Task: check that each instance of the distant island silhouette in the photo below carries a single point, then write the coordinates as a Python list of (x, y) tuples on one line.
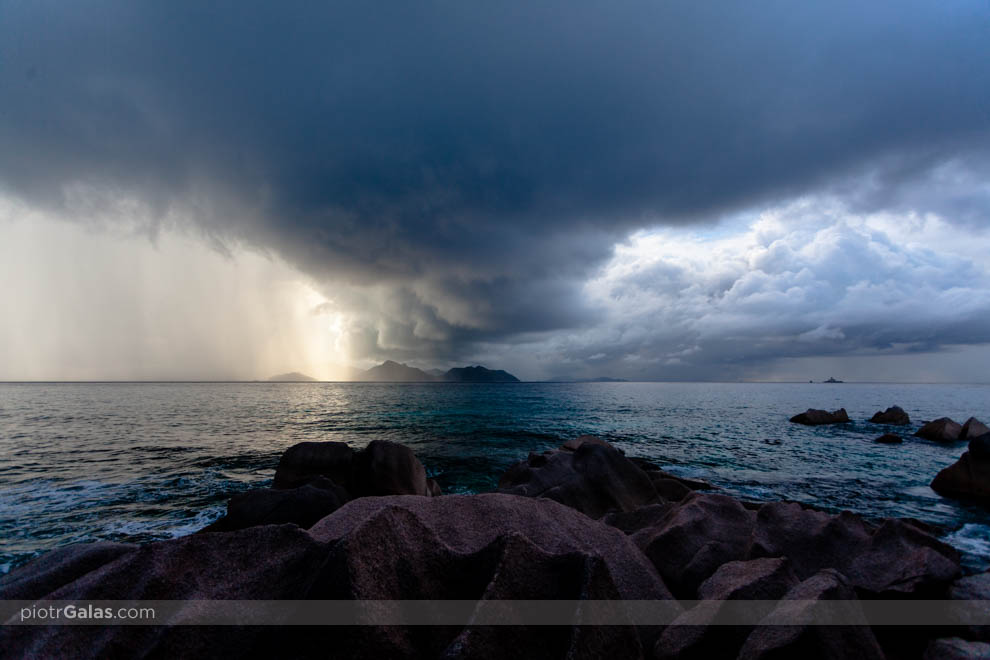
[(292, 377), (394, 372)]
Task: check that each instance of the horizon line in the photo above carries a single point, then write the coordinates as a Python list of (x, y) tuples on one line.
[(417, 382)]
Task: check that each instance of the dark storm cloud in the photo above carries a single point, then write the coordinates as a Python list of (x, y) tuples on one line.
[(479, 157)]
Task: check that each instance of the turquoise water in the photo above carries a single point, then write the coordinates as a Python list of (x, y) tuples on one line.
[(142, 461)]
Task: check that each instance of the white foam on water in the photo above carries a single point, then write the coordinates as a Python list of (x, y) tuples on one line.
[(973, 542), (198, 522)]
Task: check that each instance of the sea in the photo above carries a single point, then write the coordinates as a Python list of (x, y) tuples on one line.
[(137, 462)]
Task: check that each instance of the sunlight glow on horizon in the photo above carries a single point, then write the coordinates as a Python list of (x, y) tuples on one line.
[(107, 301)]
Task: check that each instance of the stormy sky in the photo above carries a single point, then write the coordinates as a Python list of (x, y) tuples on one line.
[(649, 190)]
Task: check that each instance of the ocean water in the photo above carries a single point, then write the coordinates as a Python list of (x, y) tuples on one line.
[(143, 461)]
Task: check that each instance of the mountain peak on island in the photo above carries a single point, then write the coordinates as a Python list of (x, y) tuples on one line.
[(479, 374), (292, 377), (394, 372)]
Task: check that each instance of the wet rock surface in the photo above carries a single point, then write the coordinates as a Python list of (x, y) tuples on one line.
[(942, 429), (973, 587), (576, 523), (810, 640), (302, 506), (592, 476), (895, 416), (813, 417), (969, 477), (694, 634), (973, 428), (389, 548), (314, 479)]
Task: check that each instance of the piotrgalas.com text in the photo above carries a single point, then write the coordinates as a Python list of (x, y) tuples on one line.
[(84, 612)]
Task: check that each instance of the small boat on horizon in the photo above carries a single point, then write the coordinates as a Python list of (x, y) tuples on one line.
[(832, 380)]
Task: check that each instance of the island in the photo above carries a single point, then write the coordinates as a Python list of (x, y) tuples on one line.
[(394, 372), (292, 377)]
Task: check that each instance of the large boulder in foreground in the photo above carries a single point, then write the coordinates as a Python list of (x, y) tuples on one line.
[(969, 477), (973, 587), (591, 476), (813, 417), (384, 548), (693, 635), (689, 540), (942, 429), (811, 641), (895, 416), (895, 559), (59, 567)]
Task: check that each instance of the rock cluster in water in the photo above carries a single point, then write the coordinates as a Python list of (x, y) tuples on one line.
[(579, 522), (967, 478)]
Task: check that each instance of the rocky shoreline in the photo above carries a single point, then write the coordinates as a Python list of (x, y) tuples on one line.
[(579, 522)]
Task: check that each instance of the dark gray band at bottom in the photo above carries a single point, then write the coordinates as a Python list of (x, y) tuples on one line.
[(496, 612)]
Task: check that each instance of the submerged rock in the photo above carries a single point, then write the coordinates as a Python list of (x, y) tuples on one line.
[(942, 429), (813, 417), (378, 548), (889, 439), (595, 478), (894, 416)]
